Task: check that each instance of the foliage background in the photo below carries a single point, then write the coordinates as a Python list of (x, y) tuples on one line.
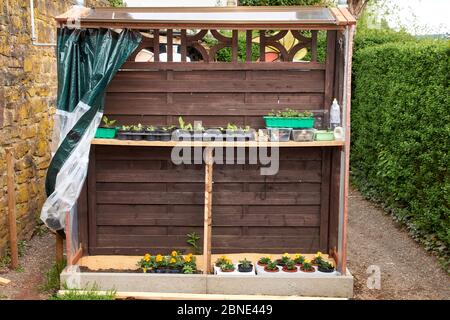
[(401, 131)]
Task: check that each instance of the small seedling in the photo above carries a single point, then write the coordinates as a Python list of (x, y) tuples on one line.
[(108, 123), (192, 240)]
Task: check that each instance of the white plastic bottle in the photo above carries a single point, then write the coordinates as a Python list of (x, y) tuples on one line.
[(335, 115)]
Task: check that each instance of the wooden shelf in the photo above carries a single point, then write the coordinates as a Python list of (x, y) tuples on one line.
[(246, 144)]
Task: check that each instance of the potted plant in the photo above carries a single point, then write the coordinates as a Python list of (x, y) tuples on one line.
[(150, 133), (123, 132), (107, 129), (318, 259), (236, 133), (220, 261), (285, 258), (290, 266), (271, 267), (161, 263), (289, 118), (227, 267), (307, 266), (184, 131), (245, 266), (176, 262), (264, 261), (326, 267), (136, 132), (145, 263), (165, 133), (299, 259)]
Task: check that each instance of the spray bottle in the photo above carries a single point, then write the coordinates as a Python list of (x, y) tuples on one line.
[(335, 115)]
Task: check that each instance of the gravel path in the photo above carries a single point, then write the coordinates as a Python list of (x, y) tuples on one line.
[(407, 270), (37, 260)]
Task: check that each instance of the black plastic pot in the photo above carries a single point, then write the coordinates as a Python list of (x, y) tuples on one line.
[(241, 268), (136, 136), (122, 135), (150, 135), (183, 135), (326, 270)]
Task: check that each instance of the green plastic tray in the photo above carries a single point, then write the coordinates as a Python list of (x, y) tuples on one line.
[(105, 133), (295, 123)]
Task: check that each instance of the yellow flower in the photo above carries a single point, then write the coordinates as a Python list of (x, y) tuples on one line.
[(318, 254), (307, 261), (189, 255), (159, 258), (188, 258), (145, 270), (174, 253), (147, 257), (286, 255), (224, 258), (297, 255), (173, 260)]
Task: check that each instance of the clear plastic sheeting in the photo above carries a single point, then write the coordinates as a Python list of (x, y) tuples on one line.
[(69, 180)]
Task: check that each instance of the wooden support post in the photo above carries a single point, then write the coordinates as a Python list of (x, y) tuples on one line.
[(12, 208), (59, 248), (68, 240), (208, 211)]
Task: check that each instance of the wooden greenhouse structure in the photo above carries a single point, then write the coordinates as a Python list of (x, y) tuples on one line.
[(136, 200)]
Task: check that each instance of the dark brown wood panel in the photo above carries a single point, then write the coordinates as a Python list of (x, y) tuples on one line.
[(143, 202), (139, 201)]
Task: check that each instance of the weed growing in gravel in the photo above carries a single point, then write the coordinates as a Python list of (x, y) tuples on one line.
[(52, 283), (85, 294)]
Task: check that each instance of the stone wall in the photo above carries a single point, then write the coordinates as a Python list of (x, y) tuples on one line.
[(28, 84)]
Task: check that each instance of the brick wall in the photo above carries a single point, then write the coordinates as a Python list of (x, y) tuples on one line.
[(27, 101)]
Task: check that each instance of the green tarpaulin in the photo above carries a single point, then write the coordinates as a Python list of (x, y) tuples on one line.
[(87, 61)]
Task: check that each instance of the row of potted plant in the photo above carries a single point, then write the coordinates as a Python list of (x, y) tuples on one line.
[(297, 263), (223, 265), (173, 263)]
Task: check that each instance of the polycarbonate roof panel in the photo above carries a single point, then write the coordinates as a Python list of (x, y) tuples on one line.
[(305, 15)]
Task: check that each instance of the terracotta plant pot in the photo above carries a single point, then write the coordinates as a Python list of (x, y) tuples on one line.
[(226, 270), (262, 264), (285, 269), (272, 271), (308, 271)]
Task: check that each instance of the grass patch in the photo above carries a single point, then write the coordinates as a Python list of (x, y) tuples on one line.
[(52, 283), (85, 294)]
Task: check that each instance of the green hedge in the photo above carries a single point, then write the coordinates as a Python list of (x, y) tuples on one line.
[(401, 135)]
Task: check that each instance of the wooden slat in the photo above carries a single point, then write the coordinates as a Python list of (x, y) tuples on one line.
[(314, 46), (262, 45), (248, 45), (340, 18), (207, 223), (351, 20), (234, 46), (195, 219), (223, 198), (156, 45), (309, 83), (92, 198), (162, 66), (324, 199), (183, 45), (252, 144), (169, 45), (329, 73)]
